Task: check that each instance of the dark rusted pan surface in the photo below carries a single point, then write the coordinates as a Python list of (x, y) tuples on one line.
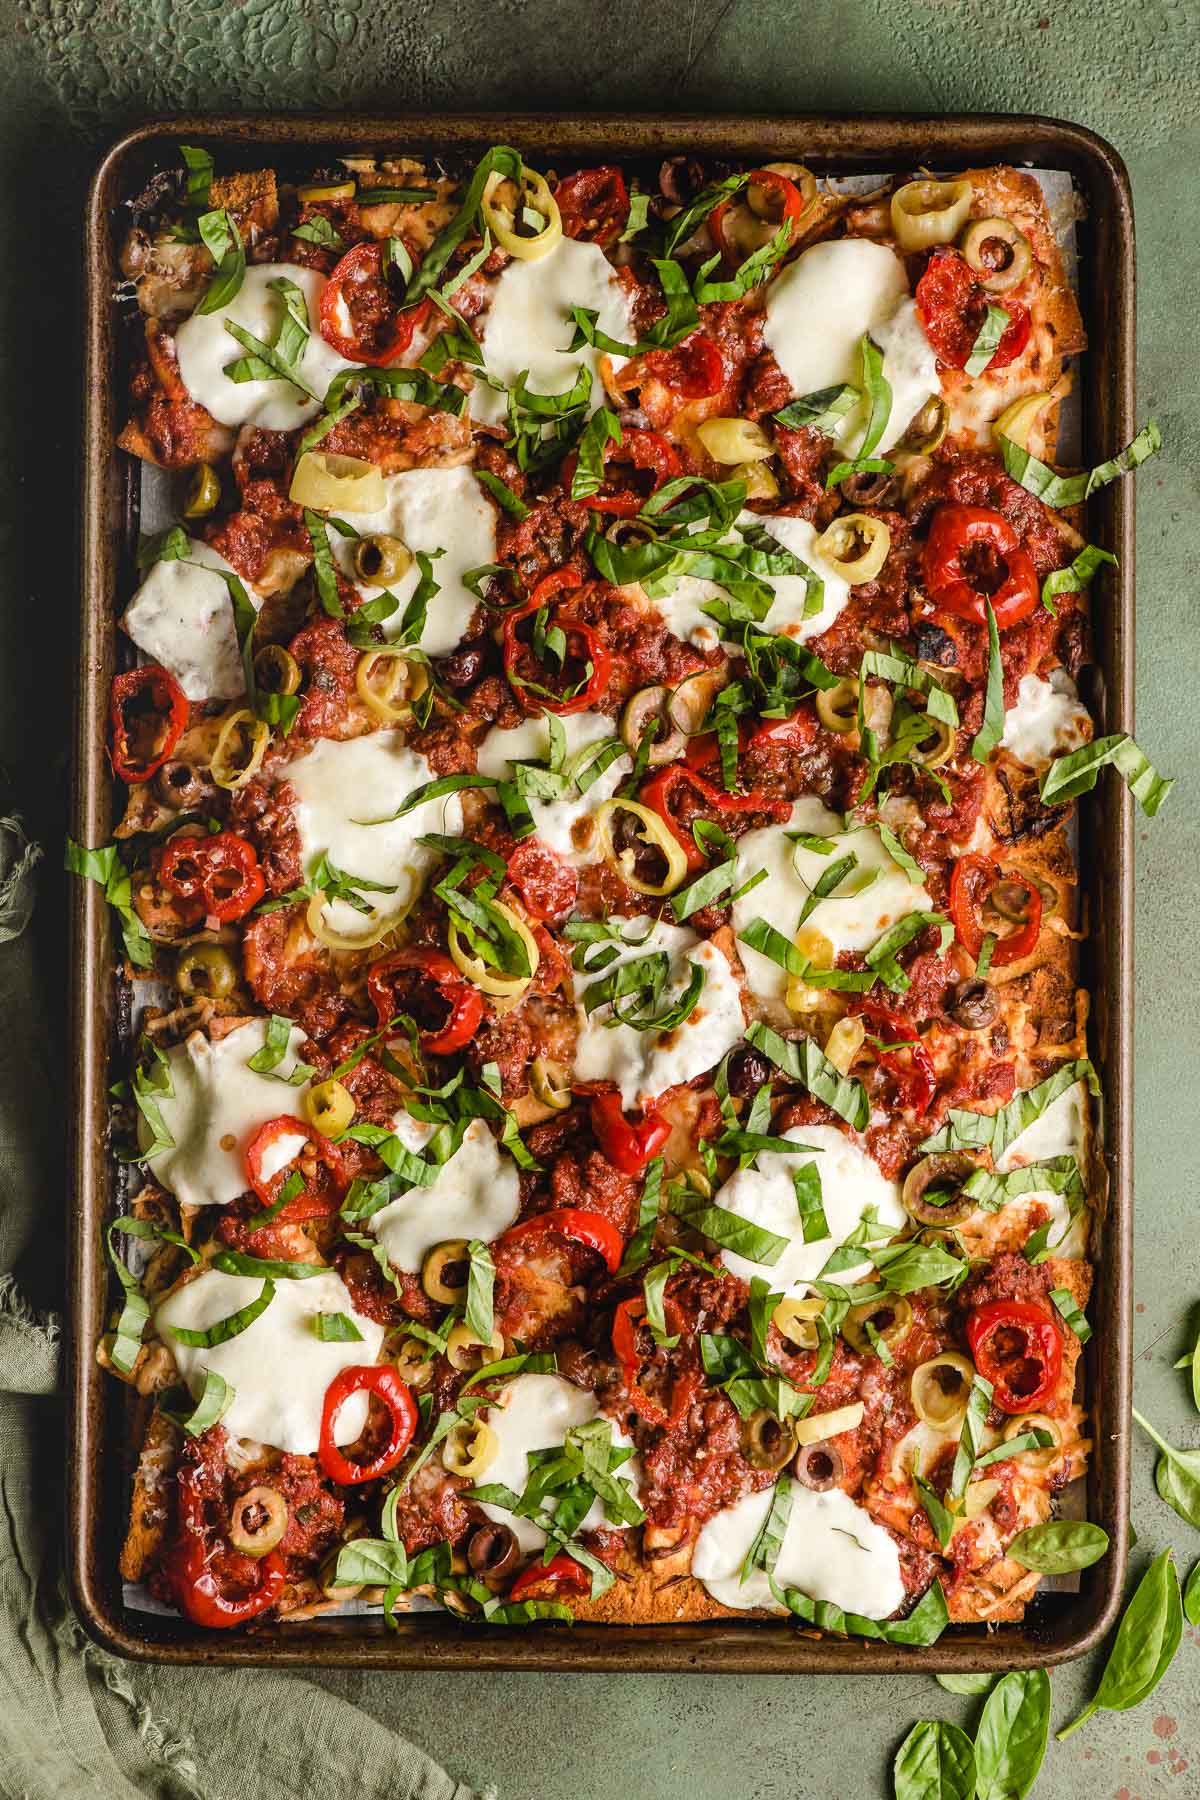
[(1061, 1626)]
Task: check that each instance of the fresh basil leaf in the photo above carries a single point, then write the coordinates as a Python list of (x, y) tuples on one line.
[(881, 957), (987, 340), (222, 1330), (1076, 773), (503, 495), (319, 230), (654, 1284), (135, 1309), (432, 790), (749, 274), (481, 1282), (336, 1328), (1191, 1597), (105, 868), (935, 1762), (1060, 1546), (639, 212), (323, 426), (940, 1517), (992, 729), (806, 1180), (372, 1562), (965, 1684), (1070, 1313), (979, 1404), (640, 1246), (728, 1229), (685, 222), (216, 1397), (1069, 490), (1147, 1638), (1177, 1475), (1077, 576), (274, 1049), (901, 671), (264, 362), (236, 1262), (199, 166), (805, 1063), (899, 854), (1037, 1439), (768, 1540), (1058, 1176), (822, 411), (602, 428), (1010, 1742), (499, 158), (396, 384), (996, 1131), (223, 242), (923, 1626)]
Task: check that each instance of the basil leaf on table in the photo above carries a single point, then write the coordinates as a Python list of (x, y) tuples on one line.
[(936, 1761), (965, 1684), (1191, 1597), (1011, 1740), (1177, 1475), (1147, 1638), (1060, 1546), (1192, 1361)]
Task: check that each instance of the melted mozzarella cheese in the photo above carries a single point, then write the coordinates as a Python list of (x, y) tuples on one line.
[(819, 307), (1048, 718), (920, 1448), (851, 1183), (528, 325), (535, 1412), (646, 1063), (832, 1550), (566, 826), (1062, 1130), (216, 1106), (430, 510), (682, 609), (476, 1195), (182, 617), (909, 368), (853, 922), (205, 349), (340, 784), (278, 1367)]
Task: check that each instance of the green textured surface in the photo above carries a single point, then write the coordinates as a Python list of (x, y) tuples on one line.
[(73, 72)]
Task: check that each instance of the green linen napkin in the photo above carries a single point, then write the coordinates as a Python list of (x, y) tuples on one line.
[(75, 1722)]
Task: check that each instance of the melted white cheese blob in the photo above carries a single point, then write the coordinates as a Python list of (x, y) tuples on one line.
[(682, 610), (832, 1550), (566, 826), (430, 509), (851, 1183), (1062, 1130), (217, 1105), (909, 368), (819, 307), (339, 784), (535, 1412), (646, 1063), (1048, 718), (476, 1195), (205, 349), (529, 325), (854, 922), (182, 617), (278, 1367)]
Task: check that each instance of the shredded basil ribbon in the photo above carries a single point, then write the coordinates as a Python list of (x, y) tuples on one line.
[(1068, 490), (1077, 773), (805, 1063), (996, 1131), (230, 1327), (992, 729), (216, 1397)]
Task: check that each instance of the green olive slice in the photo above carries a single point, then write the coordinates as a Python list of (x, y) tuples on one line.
[(380, 559), (208, 970), (941, 1174), (890, 1316), (1000, 255), (767, 1443)]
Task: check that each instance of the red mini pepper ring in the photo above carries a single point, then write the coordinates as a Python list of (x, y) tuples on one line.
[(324, 1181), (381, 1380), (695, 369), (222, 870), (625, 1347), (952, 305), (1018, 1348), (198, 1592), (917, 1081), (159, 721), (547, 885), (626, 1146), (586, 647), (562, 1571), (464, 1000), (362, 268), (665, 783), (971, 881), (793, 208), (578, 1224), (644, 450), (953, 533), (594, 204)]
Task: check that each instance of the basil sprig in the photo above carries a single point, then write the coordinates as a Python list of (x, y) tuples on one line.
[(1077, 773), (1147, 1639)]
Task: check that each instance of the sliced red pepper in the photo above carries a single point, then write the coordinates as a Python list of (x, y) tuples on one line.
[(668, 782), (358, 315), (792, 208), (198, 1592), (222, 870), (381, 1380), (594, 204), (625, 1346), (694, 369), (580, 1226), (962, 535), (971, 881), (149, 712), (916, 1079), (583, 643), (1018, 1348), (463, 999), (797, 730), (626, 1146), (952, 306), (644, 450), (320, 1165), (562, 1571)]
